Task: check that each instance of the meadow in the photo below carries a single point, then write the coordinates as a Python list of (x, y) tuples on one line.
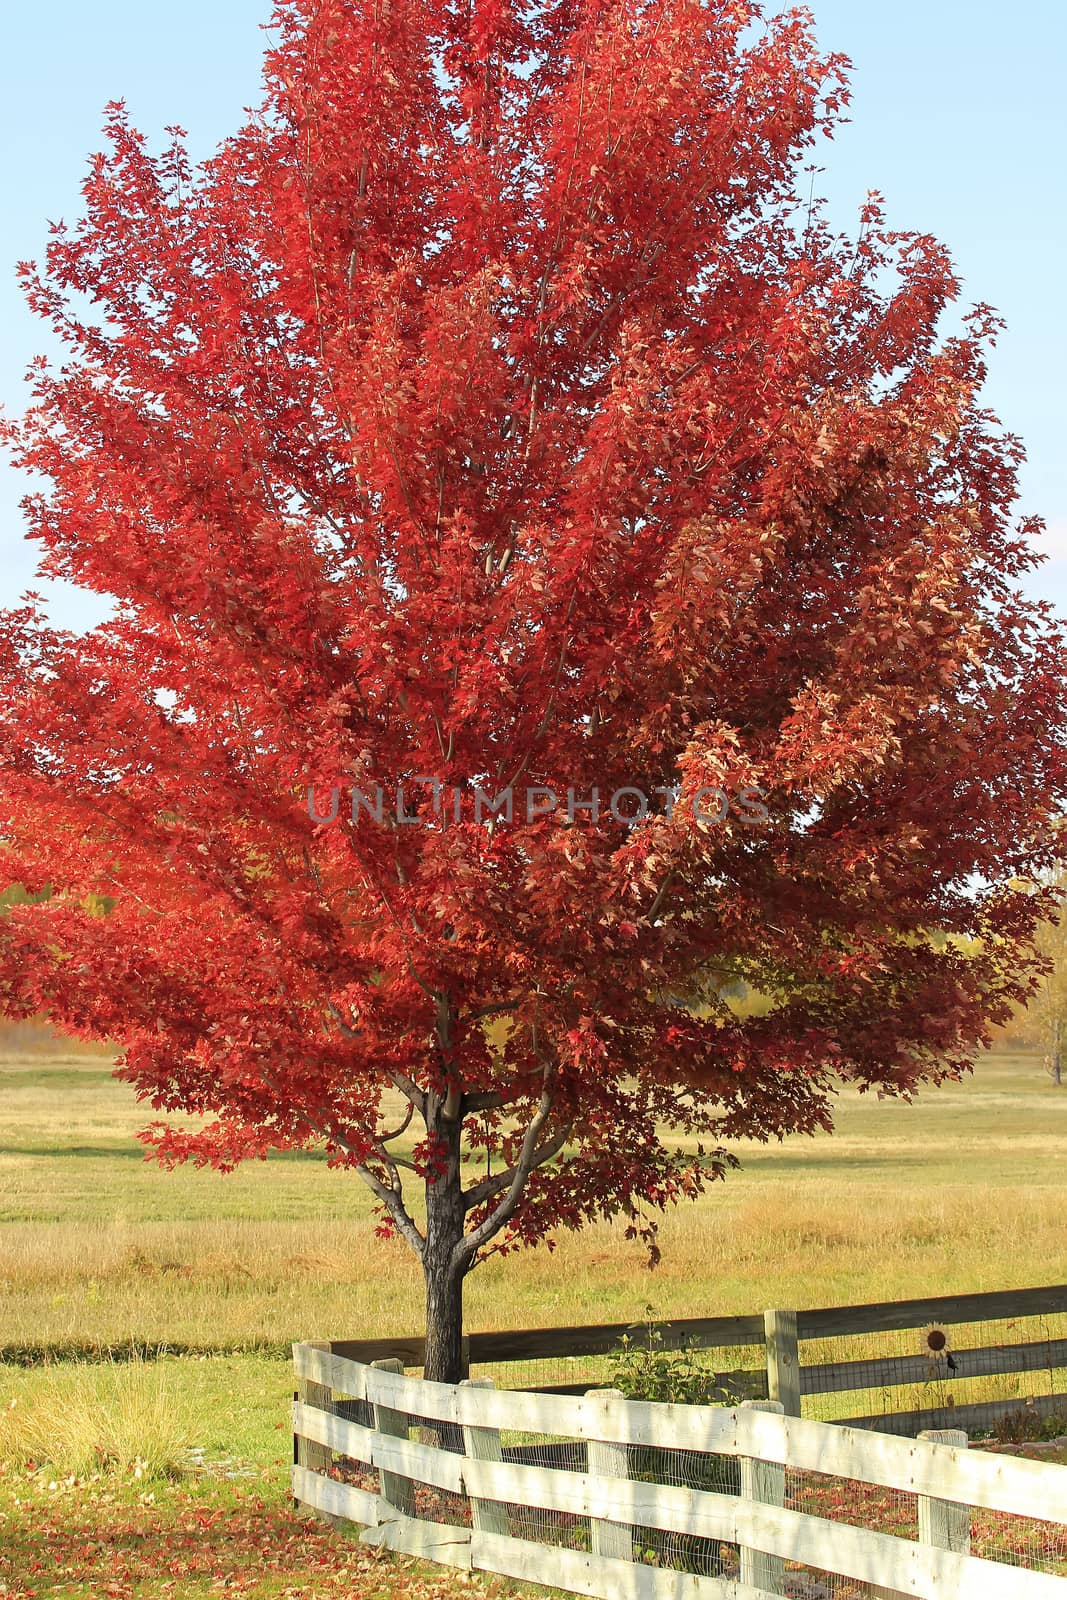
[(962, 1190), (102, 1253)]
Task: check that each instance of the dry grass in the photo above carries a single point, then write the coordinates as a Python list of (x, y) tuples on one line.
[(232, 1284), (78, 1419), (964, 1190)]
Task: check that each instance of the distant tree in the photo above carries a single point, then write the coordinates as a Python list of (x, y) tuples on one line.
[(496, 408), (1051, 1006)]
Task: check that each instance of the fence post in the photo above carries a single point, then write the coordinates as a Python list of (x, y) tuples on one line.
[(943, 1523), (396, 1491), (764, 1483), (783, 1360), (306, 1453), (483, 1444), (609, 1461)]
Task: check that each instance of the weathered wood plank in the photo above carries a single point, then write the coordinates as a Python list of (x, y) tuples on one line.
[(975, 1418), (859, 1553), (993, 1483), (943, 1523), (672, 1508), (396, 1490), (596, 1415), (597, 1576), (517, 1410), (888, 1371), (335, 1499), (432, 1541), (338, 1433), (547, 1344), (387, 1385), (612, 1538), (1001, 1305), (535, 1344), (409, 1350), (783, 1360), (393, 1453), (317, 1363), (1012, 1485), (764, 1483), (311, 1454), (777, 1532), (748, 1383), (892, 1563)]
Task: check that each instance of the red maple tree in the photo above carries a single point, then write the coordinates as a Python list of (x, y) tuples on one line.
[(496, 410)]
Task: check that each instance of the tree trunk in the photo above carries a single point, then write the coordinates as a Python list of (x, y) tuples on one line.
[(444, 1361), (444, 1280)]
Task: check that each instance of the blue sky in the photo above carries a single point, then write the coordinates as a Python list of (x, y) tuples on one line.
[(958, 118)]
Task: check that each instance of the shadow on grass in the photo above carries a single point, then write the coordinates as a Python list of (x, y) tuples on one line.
[(832, 1162), (47, 1078), (131, 1152), (99, 1152)]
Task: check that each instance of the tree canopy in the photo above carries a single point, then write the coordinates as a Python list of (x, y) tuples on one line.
[(498, 409)]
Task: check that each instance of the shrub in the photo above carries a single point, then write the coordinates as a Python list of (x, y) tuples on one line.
[(646, 1370), (1027, 1425)]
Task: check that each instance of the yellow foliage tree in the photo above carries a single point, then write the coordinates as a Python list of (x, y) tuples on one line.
[(1052, 1000)]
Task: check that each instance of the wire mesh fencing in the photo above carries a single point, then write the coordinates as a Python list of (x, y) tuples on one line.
[(1026, 1543), (737, 1367), (942, 1375), (664, 1549)]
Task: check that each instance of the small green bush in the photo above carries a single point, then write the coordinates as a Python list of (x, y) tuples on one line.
[(645, 1370)]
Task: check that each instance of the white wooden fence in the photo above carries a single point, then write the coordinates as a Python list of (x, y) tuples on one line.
[(459, 1457)]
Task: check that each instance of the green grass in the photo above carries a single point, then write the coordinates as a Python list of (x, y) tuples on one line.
[(167, 1413), (217, 1519)]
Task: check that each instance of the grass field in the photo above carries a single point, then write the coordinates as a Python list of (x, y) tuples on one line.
[(965, 1190)]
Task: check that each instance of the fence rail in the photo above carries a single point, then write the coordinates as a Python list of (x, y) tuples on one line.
[(449, 1473), (1009, 1333)]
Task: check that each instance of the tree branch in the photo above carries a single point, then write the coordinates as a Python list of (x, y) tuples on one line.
[(400, 1081), (409, 1089), (485, 1100), (490, 1187), (345, 1027), (393, 1201), (664, 889), (391, 1195), (493, 1010), (531, 1156), (387, 1138)]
